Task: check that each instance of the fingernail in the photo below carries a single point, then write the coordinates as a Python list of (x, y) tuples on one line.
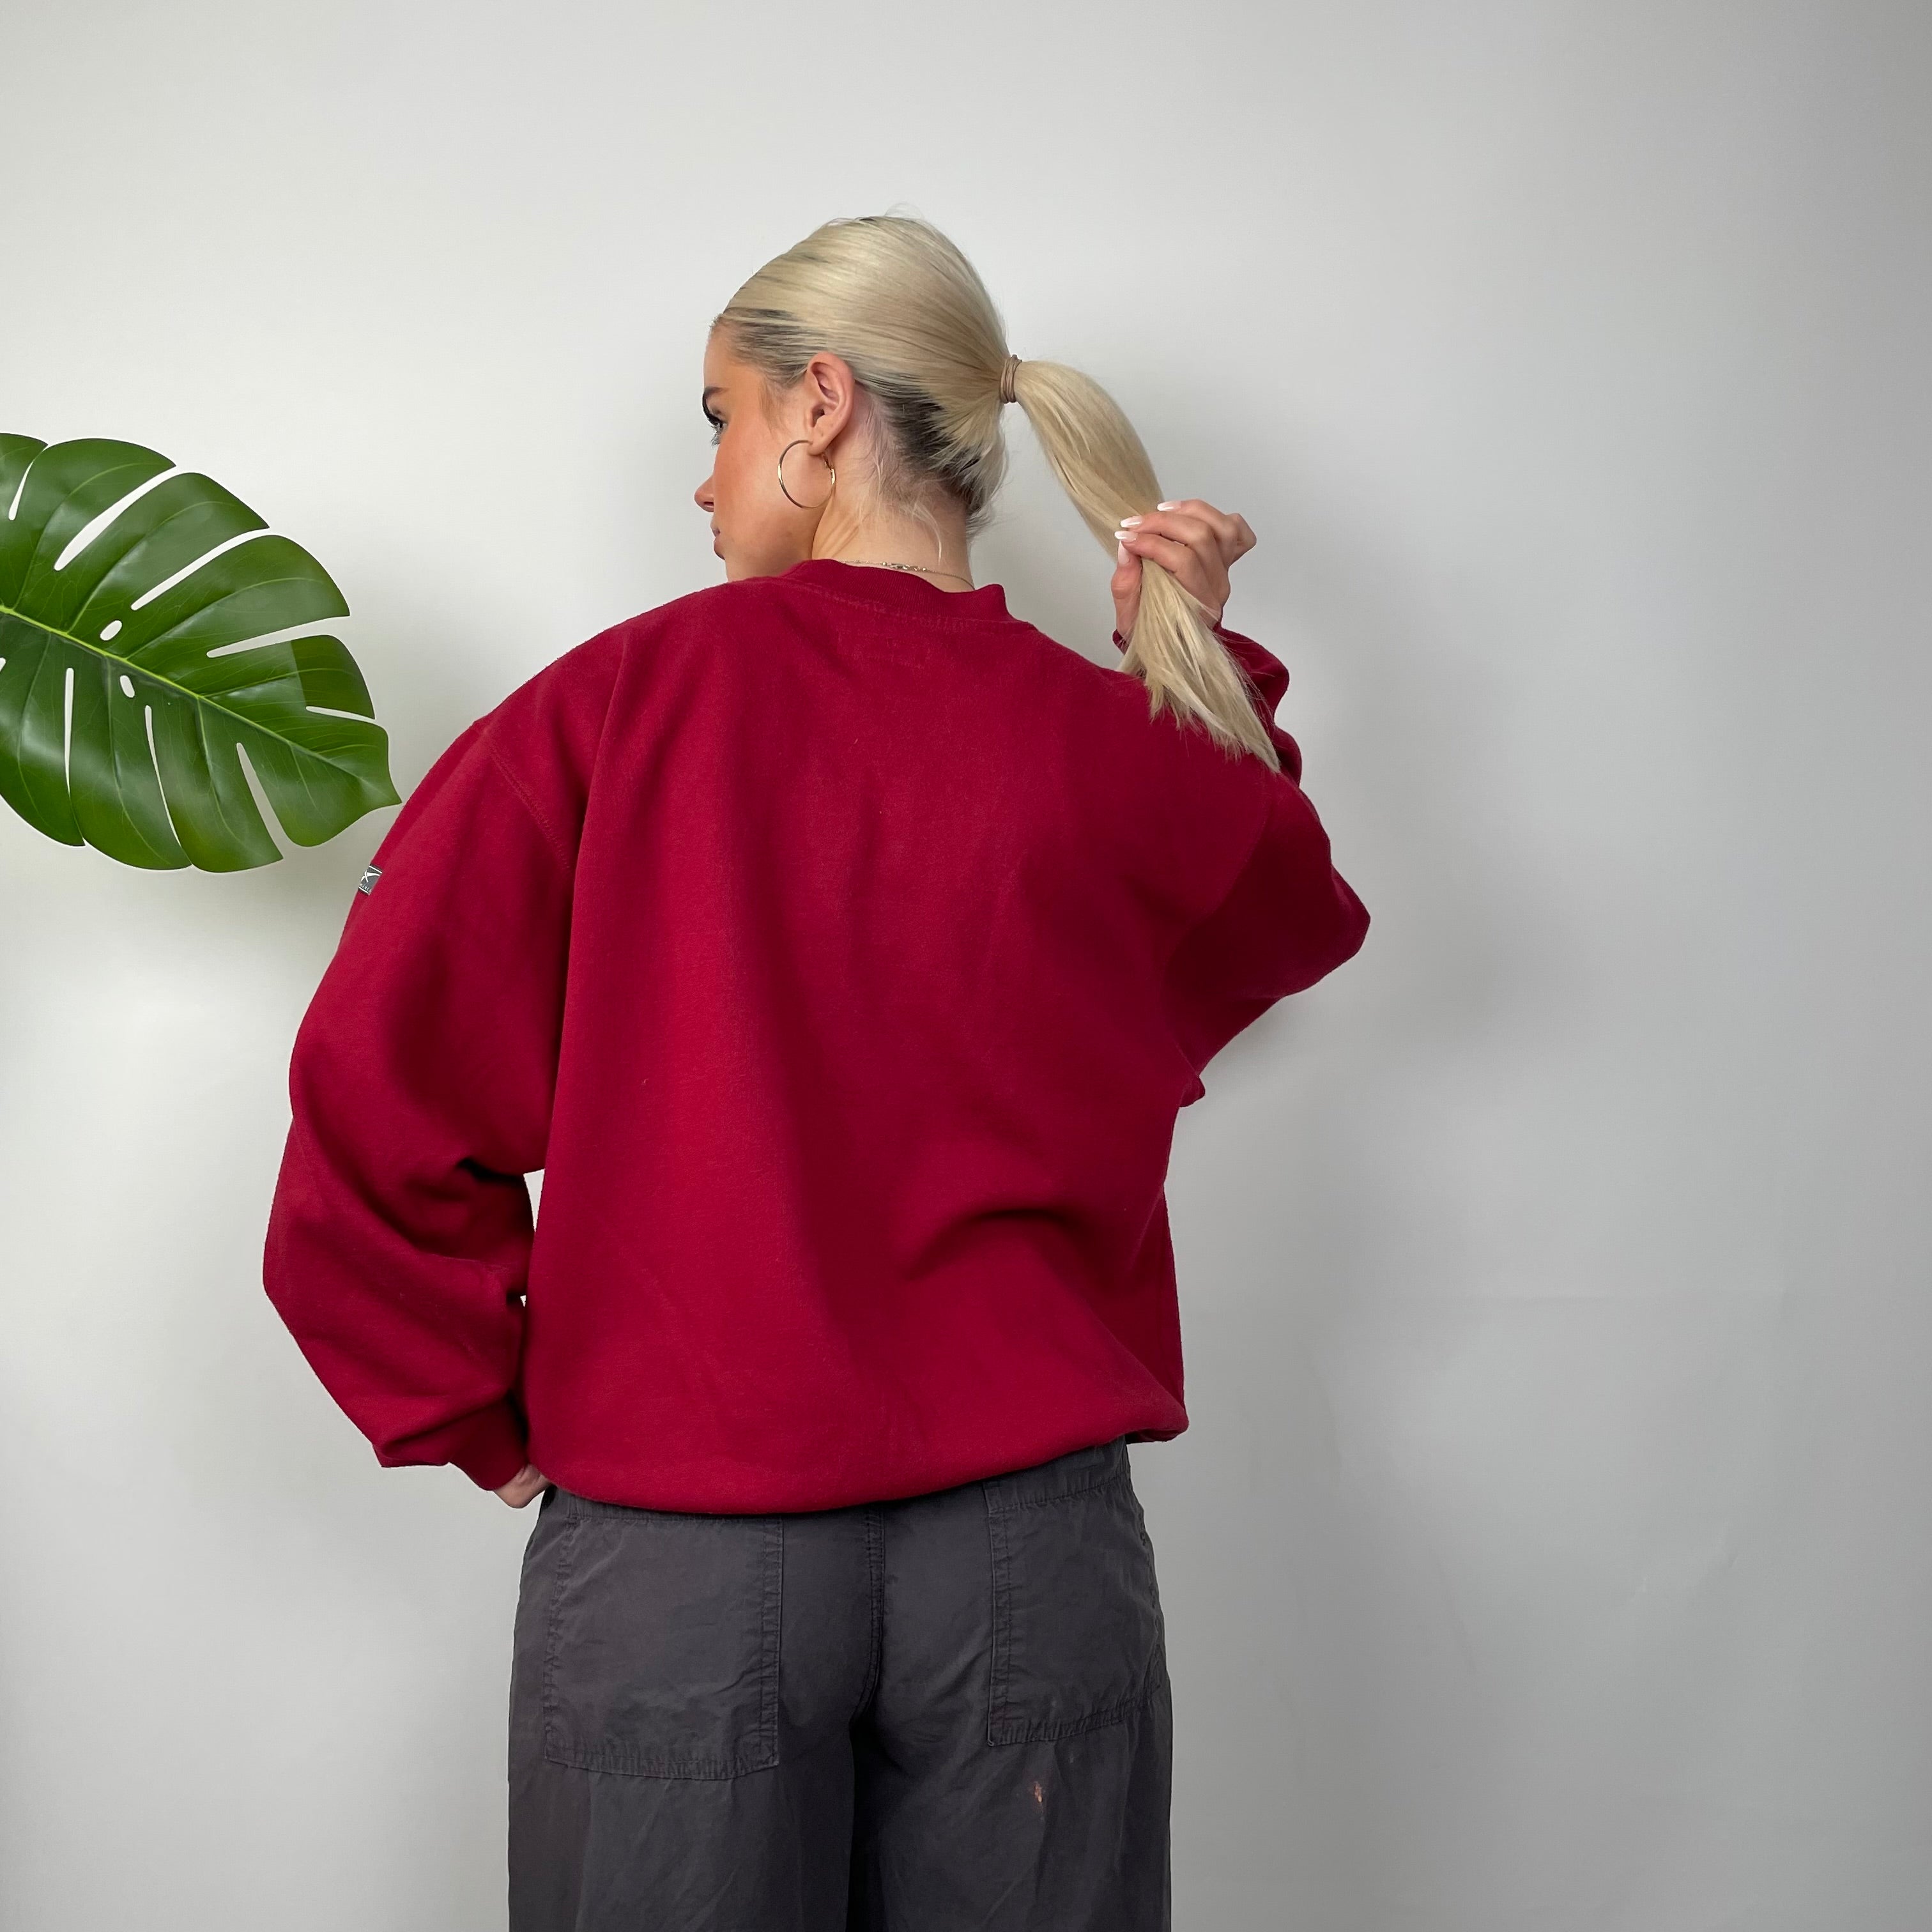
[(1128, 523), (1167, 506), (1120, 551)]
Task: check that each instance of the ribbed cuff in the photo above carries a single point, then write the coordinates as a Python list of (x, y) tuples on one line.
[(487, 1446)]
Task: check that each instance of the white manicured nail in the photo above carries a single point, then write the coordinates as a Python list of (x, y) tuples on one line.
[(1120, 551), (1167, 506), (1128, 523)]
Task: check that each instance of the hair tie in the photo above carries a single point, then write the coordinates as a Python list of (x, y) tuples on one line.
[(1006, 379)]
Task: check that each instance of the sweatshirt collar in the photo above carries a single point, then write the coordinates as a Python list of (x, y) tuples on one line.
[(903, 591)]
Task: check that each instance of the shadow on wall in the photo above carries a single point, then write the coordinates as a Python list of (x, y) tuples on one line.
[(1288, 1598)]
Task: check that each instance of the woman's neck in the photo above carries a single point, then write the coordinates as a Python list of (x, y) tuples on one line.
[(898, 542)]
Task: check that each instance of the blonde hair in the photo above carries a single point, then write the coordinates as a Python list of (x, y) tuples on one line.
[(912, 319)]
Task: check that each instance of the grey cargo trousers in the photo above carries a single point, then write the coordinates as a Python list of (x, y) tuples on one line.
[(943, 1711)]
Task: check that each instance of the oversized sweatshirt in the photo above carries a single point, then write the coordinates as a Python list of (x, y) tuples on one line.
[(841, 949)]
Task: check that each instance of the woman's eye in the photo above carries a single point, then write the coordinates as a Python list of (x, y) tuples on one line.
[(716, 434)]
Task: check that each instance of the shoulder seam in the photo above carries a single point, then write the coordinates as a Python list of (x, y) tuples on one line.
[(516, 785)]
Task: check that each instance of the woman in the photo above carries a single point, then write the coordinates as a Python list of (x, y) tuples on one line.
[(842, 949)]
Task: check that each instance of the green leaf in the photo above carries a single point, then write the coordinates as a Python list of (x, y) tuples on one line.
[(167, 682)]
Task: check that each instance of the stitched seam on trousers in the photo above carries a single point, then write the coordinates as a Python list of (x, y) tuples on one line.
[(1002, 1620), (566, 1548), (1074, 1727), (1102, 1482), (874, 1520), (774, 1615)]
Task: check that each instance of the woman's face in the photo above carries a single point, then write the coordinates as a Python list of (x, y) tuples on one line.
[(754, 529)]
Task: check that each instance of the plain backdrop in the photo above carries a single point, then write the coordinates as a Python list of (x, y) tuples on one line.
[(1548, 1551)]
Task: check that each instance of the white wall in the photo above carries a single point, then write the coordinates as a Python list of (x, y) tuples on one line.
[(1549, 1548)]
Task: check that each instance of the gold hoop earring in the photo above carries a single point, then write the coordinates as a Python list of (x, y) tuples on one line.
[(825, 460)]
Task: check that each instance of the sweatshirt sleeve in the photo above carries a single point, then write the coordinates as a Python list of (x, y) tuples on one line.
[(1288, 919), (420, 1087)]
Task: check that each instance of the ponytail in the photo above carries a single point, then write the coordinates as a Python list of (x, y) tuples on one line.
[(1103, 466)]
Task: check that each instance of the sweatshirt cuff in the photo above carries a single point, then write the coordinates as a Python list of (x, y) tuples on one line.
[(487, 1446)]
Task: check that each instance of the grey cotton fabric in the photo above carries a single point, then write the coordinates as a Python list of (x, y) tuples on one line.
[(943, 1711)]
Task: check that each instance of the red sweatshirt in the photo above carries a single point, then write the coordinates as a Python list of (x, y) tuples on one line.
[(842, 949)]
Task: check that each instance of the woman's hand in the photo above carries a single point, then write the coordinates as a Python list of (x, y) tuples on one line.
[(528, 1481), (1191, 539)]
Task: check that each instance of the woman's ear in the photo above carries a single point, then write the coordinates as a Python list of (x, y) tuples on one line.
[(833, 394)]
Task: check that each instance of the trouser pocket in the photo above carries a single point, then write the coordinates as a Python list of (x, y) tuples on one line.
[(661, 1656), (1078, 1638)]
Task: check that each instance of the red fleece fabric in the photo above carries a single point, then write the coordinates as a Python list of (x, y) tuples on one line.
[(842, 949)]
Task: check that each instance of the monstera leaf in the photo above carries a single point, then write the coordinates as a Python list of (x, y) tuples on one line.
[(147, 604)]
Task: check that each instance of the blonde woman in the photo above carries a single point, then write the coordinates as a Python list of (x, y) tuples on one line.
[(842, 949)]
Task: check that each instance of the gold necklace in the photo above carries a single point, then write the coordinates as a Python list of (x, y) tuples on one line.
[(924, 570)]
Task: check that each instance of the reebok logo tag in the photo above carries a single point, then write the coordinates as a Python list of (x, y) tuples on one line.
[(371, 874)]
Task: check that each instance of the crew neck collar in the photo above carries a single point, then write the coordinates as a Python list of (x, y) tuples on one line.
[(901, 590)]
